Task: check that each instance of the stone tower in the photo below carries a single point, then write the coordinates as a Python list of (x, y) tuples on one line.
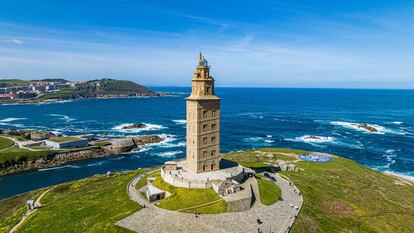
[(203, 122)]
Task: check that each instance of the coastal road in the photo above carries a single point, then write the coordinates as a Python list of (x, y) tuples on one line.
[(278, 217)]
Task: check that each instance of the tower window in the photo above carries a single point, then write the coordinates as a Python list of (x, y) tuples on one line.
[(205, 113), (213, 113), (213, 127), (213, 139), (205, 127), (213, 152), (205, 140), (208, 90), (204, 154)]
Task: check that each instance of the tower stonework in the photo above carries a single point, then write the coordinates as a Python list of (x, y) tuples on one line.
[(203, 122)]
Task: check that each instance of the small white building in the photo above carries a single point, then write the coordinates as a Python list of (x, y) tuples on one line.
[(154, 194), (71, 142)]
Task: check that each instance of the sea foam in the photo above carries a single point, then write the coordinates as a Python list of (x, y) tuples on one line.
[(11, 119), (55, 168), (380, 129), (259, 141), (179, 122), (169, 154), (309, 139), (148, 127), (63, 117)]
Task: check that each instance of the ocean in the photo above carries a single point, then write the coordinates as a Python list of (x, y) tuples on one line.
[(250, 118)]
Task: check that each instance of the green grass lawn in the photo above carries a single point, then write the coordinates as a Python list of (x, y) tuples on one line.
[(185, 198), (16, 155), (12, 209), (39, 147), (65, 139), (258, 161), (17, 137), (93, 204), (339, 196), (344, 196), (5, 143), (269, 192), (102, 143)]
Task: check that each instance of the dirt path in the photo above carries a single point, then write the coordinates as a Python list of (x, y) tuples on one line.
[(30, 212)]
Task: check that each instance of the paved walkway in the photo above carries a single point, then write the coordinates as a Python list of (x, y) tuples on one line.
[(275, 218), (14, 140), (29, 212)]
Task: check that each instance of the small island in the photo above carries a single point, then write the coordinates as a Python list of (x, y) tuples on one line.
[(135, 126), (51, 90), (366, 127)]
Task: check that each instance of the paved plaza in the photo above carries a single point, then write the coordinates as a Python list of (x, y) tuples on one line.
[(275, 218)]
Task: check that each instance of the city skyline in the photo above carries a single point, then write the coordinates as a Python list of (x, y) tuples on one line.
[(264, 44)]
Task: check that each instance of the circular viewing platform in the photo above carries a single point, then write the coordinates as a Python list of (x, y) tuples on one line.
[(183, 177)]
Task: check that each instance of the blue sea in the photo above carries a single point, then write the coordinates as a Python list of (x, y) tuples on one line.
[(251, 118)]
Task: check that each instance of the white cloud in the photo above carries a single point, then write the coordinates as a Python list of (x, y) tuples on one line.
[(13, 41)]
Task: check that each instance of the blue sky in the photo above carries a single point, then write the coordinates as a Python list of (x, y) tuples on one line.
[(342, 44)]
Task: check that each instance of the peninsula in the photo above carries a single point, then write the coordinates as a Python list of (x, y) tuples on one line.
[(338, 195), (23, 150), (49, 90)]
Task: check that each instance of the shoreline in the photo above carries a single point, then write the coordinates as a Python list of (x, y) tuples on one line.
[(58, 158), (49, 101), (55, 161), (403, 180)]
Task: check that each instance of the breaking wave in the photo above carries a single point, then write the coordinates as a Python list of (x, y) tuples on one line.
[(168, 141), (148, 127), (314, 139), (180, 122), (55, 168), (10, 119), (169, 154), (355, 126), (63, 117), (252, 114), (259, 141)]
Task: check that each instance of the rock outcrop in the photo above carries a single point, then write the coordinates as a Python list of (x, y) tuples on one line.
[(147, 139), (313, 137), (367, 127), (135, 126), (115, 146)]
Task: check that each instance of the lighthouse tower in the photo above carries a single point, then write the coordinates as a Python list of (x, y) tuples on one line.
[(203, 122)]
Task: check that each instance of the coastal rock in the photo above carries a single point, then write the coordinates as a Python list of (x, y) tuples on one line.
[(146, 139), (367, 127), (116, 146), (120, 145), (135, 126), (313, 137), (41, 135)]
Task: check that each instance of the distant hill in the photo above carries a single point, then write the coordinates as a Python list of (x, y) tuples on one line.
[(114, 87), (13, 82), (101, 88), (54, 80)]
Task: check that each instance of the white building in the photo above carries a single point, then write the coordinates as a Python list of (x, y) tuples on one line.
[(81, 142)]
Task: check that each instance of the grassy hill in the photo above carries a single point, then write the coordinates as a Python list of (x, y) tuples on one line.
[(339, 196), (100, 88), (13, 82)]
